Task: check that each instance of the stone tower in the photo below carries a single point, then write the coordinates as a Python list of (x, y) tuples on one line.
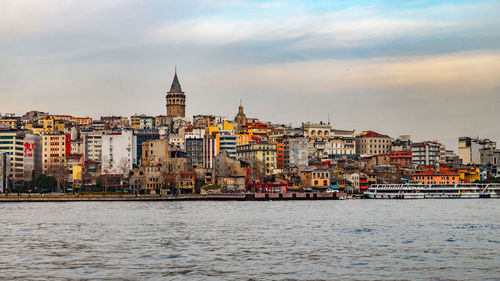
[(176, 100), (241, 118)]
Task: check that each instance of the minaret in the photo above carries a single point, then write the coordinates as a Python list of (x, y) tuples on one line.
[(176, 100)]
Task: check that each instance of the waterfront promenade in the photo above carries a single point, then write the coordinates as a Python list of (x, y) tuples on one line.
[(180, 197)]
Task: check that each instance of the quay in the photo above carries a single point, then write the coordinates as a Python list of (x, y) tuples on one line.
[(180, 197)]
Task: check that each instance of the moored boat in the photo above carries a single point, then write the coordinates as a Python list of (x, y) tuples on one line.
[(421, 191)]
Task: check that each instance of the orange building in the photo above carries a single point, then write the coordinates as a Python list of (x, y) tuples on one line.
[(280, 153), (243, 139), (442, 176), (316, 178)]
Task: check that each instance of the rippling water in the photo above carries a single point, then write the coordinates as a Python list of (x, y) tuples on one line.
[(303, 240)]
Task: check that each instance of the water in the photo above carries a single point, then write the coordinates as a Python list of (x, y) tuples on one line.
[(300, 240)]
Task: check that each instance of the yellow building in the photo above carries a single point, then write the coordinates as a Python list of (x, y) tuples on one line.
[(62, 118), (81, 120), (226, 126), (210, 130), (142, 122), (77, 175), (51, 124), (54, 150), (12, 122), (256, 128), (469, 175), (259, 154)]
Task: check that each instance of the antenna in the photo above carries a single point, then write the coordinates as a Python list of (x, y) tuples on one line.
[(328, 118)]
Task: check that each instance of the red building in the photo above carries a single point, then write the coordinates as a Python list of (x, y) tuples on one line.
[(400, 158), (363, 183)]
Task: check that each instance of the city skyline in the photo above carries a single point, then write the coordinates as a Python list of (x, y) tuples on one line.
[(410, 68)]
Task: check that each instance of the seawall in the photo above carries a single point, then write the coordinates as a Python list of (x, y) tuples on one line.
[(181, 197)]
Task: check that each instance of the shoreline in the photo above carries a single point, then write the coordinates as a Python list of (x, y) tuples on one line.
[(180, 197)]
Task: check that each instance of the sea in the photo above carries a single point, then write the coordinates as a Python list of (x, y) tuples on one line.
[(429, 239)]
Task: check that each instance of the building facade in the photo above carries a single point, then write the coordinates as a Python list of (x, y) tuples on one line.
[(32, 157), (142, 122), (437, 177), (12, 142), (194, 151), (469, 149), (369, 143), (426, 153), (92, 147), (227, 142), (295, 151), (55, 148), (119, 152), (262, 155)]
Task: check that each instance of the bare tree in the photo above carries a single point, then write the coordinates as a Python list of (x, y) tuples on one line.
[(169, 179), (106, 165), (106, 169), (257, 170), (60, 172), (124, 167), (86, 177)]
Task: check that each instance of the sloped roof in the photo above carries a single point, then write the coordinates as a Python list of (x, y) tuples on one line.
[(433, 173), (176, 86)]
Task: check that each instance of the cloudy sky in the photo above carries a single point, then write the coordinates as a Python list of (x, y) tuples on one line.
[(430, 69)]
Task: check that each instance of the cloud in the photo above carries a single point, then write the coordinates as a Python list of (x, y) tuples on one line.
[(364, 62)]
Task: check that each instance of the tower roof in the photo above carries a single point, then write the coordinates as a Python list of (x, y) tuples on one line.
[(176, 86)]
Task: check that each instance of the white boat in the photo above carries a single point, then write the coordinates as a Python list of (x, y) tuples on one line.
[(421, 191)]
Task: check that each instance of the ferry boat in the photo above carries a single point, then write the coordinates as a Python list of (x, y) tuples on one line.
[(421, 191)]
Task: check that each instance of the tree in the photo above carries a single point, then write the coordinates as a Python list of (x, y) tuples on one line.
[(169, 179), (60, 173), (88, 178), (106, 169), (124, 167), (44, 183)]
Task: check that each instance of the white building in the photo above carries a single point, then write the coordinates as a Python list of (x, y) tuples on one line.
[(177, 140), (119, 152), (341, 142), (227, 142), (355, 179), (372, 143), (92, 146), (469, 149), (209, 151), (426, 153)]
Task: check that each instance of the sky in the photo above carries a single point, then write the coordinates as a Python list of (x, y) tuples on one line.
[(430, 69)]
